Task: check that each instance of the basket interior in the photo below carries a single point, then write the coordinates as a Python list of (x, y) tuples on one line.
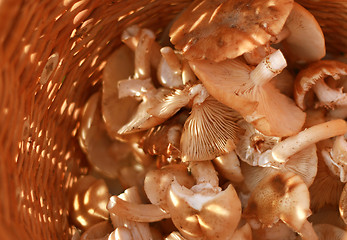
[(52, 56)]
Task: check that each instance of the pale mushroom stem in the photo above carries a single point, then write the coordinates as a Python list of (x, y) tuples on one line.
[(288, 147), (268, 68), (130, 36), (204, 173), (285, 32), (136, 212), (172, 60), (135, 88), (325, 94), (142, 54)]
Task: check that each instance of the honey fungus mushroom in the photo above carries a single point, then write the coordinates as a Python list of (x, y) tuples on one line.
[(217, 30), (204, 211), (248, 91), (324, 78), (282, 196)]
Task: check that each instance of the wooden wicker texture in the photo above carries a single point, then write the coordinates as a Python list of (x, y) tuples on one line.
[(51, 58)]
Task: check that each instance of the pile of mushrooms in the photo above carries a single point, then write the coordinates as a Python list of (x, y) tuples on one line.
[(234, 130)]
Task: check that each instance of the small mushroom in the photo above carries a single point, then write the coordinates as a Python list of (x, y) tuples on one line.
[(170, 69), (105, 155), (204, 211), (315, 77), (88, 199), (157, 182), (217, 30), (281, 196), (336, 158), (248, 91), (228, 166)]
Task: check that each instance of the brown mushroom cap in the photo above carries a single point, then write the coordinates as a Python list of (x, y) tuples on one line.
[(315, 72), (280, 196), (305, 42), (221, 29)]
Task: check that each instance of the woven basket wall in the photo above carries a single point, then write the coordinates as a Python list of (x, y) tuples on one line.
[(51, 58)]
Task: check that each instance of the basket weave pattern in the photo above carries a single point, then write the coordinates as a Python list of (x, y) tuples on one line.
[(51, 58)]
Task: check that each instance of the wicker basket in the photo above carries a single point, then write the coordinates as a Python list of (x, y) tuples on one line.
[(51, 58)]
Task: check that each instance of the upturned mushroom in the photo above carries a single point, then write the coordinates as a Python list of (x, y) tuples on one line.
[(323, 77), (88, 199), (248, 91), (217, 30), (204, 211), (282, 196), (336, 158)]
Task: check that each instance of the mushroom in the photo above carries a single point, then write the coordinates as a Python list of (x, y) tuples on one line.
[(157, 182), (138, 230), (243, 233), (175, 236), (282, 196), (277, 231), (336, 158), (119, 66), (88, 199), (305, 40), (218, 30), (303, 164), (107, 156), (327, 215), (99, 231), (228, 166), (315, 77), (204, 211), (248, 91), (164, 140)]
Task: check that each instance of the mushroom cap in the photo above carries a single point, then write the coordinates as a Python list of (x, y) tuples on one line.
[(228, 166), (157, 182), (204, 213), (208, 129), (280, 196), (119, 66), (221, 29), (306, 40), (88, 199), (103, 153), (315, 72)]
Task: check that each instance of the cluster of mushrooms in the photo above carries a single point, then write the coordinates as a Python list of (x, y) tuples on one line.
[(234, 128)]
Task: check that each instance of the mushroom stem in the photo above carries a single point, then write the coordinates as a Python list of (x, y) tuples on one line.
[(135, 88), (142, 54), (121, 233), (172, 60), (136, 212), (268, 68), (288, 147), (187, 73), (285, 32), (130, 36)]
